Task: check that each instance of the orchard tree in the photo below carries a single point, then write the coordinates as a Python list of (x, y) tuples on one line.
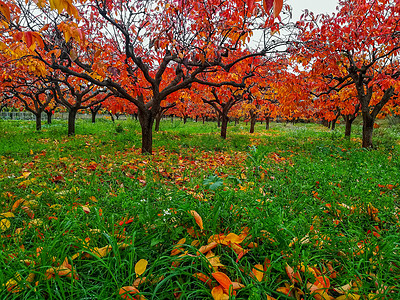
[(356, 48), (75, 95)]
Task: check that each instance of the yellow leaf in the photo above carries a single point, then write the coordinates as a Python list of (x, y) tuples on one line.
[(140, 267), (349, 297), (4, 224), (199, 220), (218, 293), (7, 215)]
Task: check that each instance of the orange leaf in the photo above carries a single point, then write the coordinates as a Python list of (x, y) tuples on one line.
[(5, 11), (257, 271), (322, 281), (293, 276), (203, 278), (140, 267), (125, 290), (176, 249), (278, 4), (17, 204), (210, 246), (197, 217), (28, 211), (218, 293), (222, 279)]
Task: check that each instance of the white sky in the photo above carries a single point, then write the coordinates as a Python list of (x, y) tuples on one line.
[(316, 6)]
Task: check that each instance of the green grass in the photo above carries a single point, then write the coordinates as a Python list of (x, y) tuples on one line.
[(305, 195)]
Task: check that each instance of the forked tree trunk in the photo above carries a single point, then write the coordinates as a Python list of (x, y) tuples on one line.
[(71, 121), (38, 117), (224, 125), (146, 120)]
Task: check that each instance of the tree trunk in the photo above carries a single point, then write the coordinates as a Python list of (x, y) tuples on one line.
[(158, 120), (224, 126), (94, 113), (204, 119), (112, 117), (71, 121), (368, 128), (267, 119), (146, 120), (49, 115), (349, 121), (38, 118), (184, 119), (252, 122)]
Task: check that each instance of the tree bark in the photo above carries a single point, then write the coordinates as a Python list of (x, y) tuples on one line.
[(184, 119), (368, 128), (38, 117), (158, 120), (349, 121), (267, 119), (71, 121), (224, 125), (49, 116), (252, 122), (146, 120)]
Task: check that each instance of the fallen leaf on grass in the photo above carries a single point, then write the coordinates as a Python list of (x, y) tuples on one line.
[(4, 224), (222, 279), (218, 293), (198, 219), (124, 291), (257, 272), (140, 267)]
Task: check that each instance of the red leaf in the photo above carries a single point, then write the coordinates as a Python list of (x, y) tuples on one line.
[(28, 38), (278, 4), (268, 5)]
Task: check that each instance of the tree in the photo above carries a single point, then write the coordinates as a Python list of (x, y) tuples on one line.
[(74, 95), (356, 48)]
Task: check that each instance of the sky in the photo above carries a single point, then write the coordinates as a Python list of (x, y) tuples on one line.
[(316, 6)]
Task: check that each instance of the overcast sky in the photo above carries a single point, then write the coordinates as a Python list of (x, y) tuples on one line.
[(316, 6)]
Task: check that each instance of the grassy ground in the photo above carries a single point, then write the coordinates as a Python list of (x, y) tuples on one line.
[(295, 212)]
